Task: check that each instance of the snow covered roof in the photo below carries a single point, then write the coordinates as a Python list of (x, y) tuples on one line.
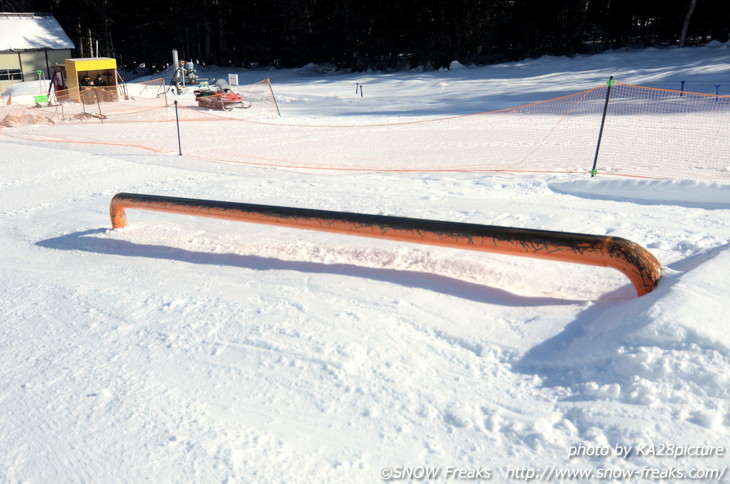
[(32, 31)]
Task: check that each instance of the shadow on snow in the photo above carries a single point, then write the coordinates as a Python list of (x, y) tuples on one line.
[(89, 242)]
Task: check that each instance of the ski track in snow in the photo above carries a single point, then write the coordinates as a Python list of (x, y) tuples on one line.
[(182, 349)]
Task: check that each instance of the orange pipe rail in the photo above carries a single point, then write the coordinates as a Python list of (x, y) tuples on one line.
[(638, 264)]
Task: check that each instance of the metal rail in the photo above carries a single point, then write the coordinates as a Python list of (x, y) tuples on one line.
[(638, 264)]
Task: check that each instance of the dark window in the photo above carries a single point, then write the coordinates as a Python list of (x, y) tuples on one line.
[(11, 75)]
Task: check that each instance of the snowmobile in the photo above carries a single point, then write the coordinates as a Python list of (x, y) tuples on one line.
[(222, 98)]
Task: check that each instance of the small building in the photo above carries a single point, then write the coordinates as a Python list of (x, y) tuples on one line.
[(84, 72), (30, 42), (91, 68)]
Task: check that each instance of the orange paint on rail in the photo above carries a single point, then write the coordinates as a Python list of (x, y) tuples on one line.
[(638, 264)]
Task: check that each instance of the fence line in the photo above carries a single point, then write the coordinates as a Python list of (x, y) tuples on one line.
[(650, 133)]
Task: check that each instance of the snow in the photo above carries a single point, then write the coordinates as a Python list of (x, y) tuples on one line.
[(31, 32), (184, 349)]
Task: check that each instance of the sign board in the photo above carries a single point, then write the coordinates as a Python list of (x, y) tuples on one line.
[(233, 79)]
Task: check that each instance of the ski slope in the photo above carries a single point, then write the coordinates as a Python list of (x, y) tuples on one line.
[(184, 349)]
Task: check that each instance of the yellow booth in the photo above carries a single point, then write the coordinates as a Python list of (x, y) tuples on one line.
[(85, 74)]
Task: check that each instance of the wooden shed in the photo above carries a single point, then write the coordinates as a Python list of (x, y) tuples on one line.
[(30, 42)]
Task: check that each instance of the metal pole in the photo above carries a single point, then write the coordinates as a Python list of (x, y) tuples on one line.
[(637, 263), (177, 122), (603, 122), (98, 103), (176, 72), (271, 90)]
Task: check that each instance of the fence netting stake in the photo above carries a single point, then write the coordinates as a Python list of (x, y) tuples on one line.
[(603, 122), (98, 103), (177, 122)]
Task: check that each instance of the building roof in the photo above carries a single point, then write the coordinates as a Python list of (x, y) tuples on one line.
[(32, 31)]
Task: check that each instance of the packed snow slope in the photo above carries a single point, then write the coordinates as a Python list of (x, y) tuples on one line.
[(185, 349)]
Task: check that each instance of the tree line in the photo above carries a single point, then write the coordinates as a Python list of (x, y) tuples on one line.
[(375, 34)]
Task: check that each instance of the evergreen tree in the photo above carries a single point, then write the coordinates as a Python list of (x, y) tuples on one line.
[(377, 34)]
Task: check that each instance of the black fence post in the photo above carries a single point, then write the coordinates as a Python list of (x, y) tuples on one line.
[(98, 103), (603, 122), (177, 122)]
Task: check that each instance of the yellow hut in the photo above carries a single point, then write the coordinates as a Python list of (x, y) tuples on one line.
[(82, 73)]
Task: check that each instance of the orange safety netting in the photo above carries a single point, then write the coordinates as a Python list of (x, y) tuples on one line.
[(648, 132), (671, 134)]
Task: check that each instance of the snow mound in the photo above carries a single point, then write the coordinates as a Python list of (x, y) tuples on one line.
[(688, 193), (20, 118), (671, 346)]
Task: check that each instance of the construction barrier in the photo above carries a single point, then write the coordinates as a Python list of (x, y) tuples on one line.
[(638, 264)]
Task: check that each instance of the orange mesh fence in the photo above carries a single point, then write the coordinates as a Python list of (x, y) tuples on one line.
[(260, 99), (87, 103), (102, 102), (648, 133), (668, 134), (154, 89)]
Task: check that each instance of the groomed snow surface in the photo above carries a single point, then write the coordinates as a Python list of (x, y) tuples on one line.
[(185, 349)]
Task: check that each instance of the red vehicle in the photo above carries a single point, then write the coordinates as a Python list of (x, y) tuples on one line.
[(225, 100)]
